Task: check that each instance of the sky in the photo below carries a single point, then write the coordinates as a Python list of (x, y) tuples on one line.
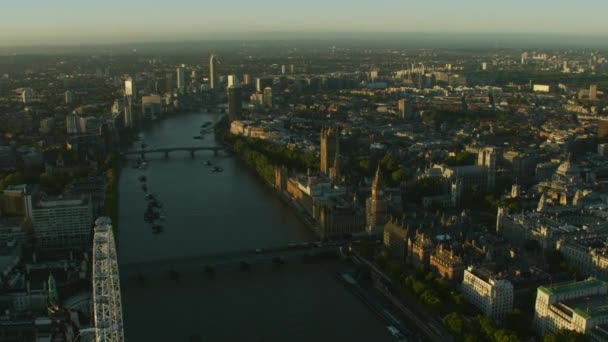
[(33, 22)]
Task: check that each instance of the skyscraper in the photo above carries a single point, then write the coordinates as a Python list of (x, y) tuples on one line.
[(232, 81), (68, 97), (405, 109), (213, 72), (129, 92), (262, 83), (169, 83), (246, 79), (268, 97), (181, 77), (329, 148), (235, 103)]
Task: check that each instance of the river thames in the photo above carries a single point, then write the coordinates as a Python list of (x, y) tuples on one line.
[(210, 213)]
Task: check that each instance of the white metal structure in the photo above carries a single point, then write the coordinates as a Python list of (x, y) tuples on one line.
[(106, 284)]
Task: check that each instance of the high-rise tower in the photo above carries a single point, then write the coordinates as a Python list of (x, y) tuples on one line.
[(213, 72), (129, 93), (329, 147), (234, 103), (181, 78)]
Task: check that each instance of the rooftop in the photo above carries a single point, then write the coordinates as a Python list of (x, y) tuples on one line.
[(570, 287), (588, 307)]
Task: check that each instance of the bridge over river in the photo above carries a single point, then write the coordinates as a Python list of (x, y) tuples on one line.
[(232, 259), (167, 150)]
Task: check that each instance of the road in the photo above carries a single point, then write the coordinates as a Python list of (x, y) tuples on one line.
[(432, 329)]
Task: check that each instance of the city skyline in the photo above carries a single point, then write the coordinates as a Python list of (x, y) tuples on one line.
[(72, 22)]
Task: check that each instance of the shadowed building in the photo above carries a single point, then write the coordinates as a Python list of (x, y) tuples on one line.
[(395, 239), (376, 206), (329, 147), (234, 103), (447, 264), (419, 249)]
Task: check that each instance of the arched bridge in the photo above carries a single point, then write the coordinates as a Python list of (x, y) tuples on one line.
[(231, 259), (167, 150)]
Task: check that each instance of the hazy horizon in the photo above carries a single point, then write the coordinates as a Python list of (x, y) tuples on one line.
[(70, 22)]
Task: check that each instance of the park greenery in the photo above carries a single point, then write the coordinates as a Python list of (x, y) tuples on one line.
[(563, 335), (264, 156), (437, 295), (110, 206)]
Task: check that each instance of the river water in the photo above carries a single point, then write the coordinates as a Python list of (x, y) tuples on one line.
[(215, 213)]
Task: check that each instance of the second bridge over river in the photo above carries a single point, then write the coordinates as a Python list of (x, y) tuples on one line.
[(167, 150)]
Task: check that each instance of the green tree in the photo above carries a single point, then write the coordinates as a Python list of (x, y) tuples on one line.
[(389, 163), (393, 269), (554, 260), (455, 323), (398, 176), (563, 335), (518, 322)]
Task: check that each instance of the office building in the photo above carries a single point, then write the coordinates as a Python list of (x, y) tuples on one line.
[(68, 97), (541, 88), (47, 125), (246, 79), (262, 83), (405, 109), (63, 222), (588, 255), (72, 124), (213, 77), (580, 306), (491, 295), (151, 106), (89, 124), (376, 206), (593, 92), (395, 239), (283, 69), (602, 128), (169, 83), (129, 94), (235, 103), (268, 97), (181, 78), (233, 81)]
